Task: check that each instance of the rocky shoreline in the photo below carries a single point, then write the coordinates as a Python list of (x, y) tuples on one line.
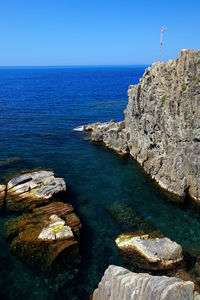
[(161, 129)]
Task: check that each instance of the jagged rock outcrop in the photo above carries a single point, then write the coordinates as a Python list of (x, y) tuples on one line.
[(162, 124), (27, 191), (111, 133), (145, 252), (119, 283)]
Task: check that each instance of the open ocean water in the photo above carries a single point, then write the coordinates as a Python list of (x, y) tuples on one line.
[(39, 108)]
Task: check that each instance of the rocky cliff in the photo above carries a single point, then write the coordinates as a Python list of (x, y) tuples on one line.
[(161, 129)]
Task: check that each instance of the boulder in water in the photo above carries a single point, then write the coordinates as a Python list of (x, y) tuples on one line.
[(27, 191), (145, 252)]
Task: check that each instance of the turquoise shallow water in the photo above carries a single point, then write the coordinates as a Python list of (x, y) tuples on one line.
[(39, 109)]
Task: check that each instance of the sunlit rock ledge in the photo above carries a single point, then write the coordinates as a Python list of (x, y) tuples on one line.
[(119, 283), (147, 253), (161, 129), (29, 190)]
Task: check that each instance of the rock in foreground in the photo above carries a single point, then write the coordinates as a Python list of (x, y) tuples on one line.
[(119, 283), (27, 191), (144, 252)]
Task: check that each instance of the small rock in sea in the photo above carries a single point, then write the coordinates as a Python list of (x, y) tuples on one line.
[(10, 162), (149, 253)]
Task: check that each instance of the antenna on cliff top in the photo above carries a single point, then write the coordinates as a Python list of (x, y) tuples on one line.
[(162, 31)]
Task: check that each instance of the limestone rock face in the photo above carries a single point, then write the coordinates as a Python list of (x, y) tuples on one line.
[(119, 283), (46, 236), (32, 189), (162, 124), (112, 134), (148, 253)]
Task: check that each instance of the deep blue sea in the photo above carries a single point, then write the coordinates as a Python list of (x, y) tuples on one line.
[(39, 108)]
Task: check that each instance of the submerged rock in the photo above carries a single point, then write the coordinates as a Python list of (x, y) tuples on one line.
[(46, 237), (125, 215), (162, 125), (12, 161), (145, 252), (30, 190), (119, 283)]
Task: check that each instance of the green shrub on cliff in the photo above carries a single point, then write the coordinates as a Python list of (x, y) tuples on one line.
[(163, 99), (184, 86)]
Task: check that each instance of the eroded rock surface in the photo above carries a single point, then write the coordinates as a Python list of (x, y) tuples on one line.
[(162, 124), (145, 252), (29, 190), (112, 134), (47, 235), (119, 283)]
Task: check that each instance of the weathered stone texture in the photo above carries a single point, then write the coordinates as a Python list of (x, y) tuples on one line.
[(39, 238), (119, 283), (145, 252), (30, 190), (162, 124)]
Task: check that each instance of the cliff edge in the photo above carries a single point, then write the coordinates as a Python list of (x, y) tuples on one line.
[(161, 129)]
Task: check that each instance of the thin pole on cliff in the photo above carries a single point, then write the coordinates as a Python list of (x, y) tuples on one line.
[(162, 31)]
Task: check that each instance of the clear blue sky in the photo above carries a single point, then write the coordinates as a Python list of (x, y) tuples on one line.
[(95, 32)]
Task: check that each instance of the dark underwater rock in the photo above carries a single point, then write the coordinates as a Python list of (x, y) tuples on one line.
[(125, 215), (9, 162)]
